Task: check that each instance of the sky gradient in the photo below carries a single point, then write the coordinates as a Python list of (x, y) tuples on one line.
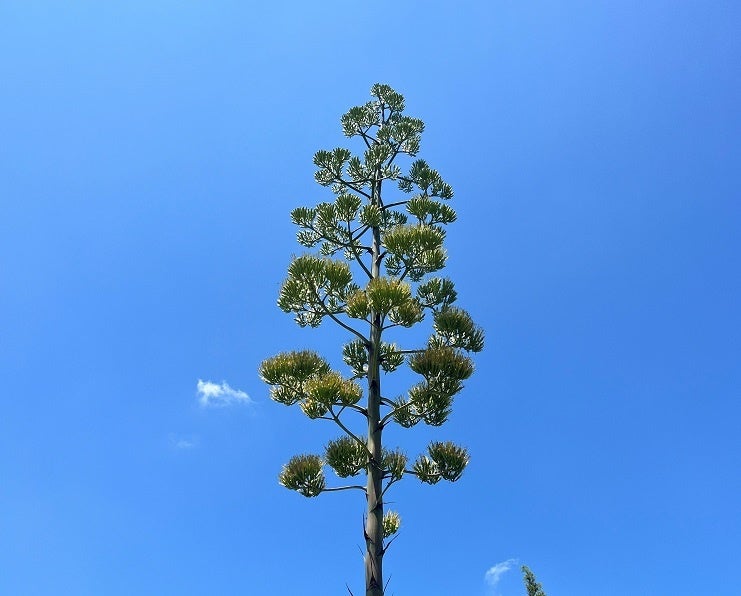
[(150, 154)]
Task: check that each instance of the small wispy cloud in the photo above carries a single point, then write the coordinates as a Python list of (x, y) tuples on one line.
[(495, 572), (179, 442), (212, 394)]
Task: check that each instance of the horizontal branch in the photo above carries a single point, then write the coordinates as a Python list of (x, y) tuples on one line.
[(395, 204), (355, 408), (413, 473), (340, 244), (338, 488), (353, 187)]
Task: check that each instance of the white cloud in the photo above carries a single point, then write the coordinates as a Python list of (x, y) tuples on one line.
[(212, 394), (179, 442), (495, 573)]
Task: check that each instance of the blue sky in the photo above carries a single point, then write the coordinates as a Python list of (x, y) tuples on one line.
[(150, 153)]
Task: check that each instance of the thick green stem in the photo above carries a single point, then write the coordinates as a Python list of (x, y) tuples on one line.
[(374, 488)]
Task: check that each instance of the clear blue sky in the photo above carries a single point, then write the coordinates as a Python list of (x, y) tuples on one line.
[(150, 153)]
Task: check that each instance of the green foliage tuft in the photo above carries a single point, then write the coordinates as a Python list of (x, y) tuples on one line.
[(355, 355), (429, 181), (450, 459), (331, 165), (436, 293), (414, 250), (316, 287), (384, 294), (432, 402), (531, 585), (430, 212), (388, 97), (390, 357), (437, 363), (360, 119), (347, 206), (371, 216), (357, 305), (426, 470), (394, 463), (391, 523), (331, 389), (457, 330), (313, 408), (289, 372), (303, 473), (405, 414), (446, 461), (346, 456), (303, 216)]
